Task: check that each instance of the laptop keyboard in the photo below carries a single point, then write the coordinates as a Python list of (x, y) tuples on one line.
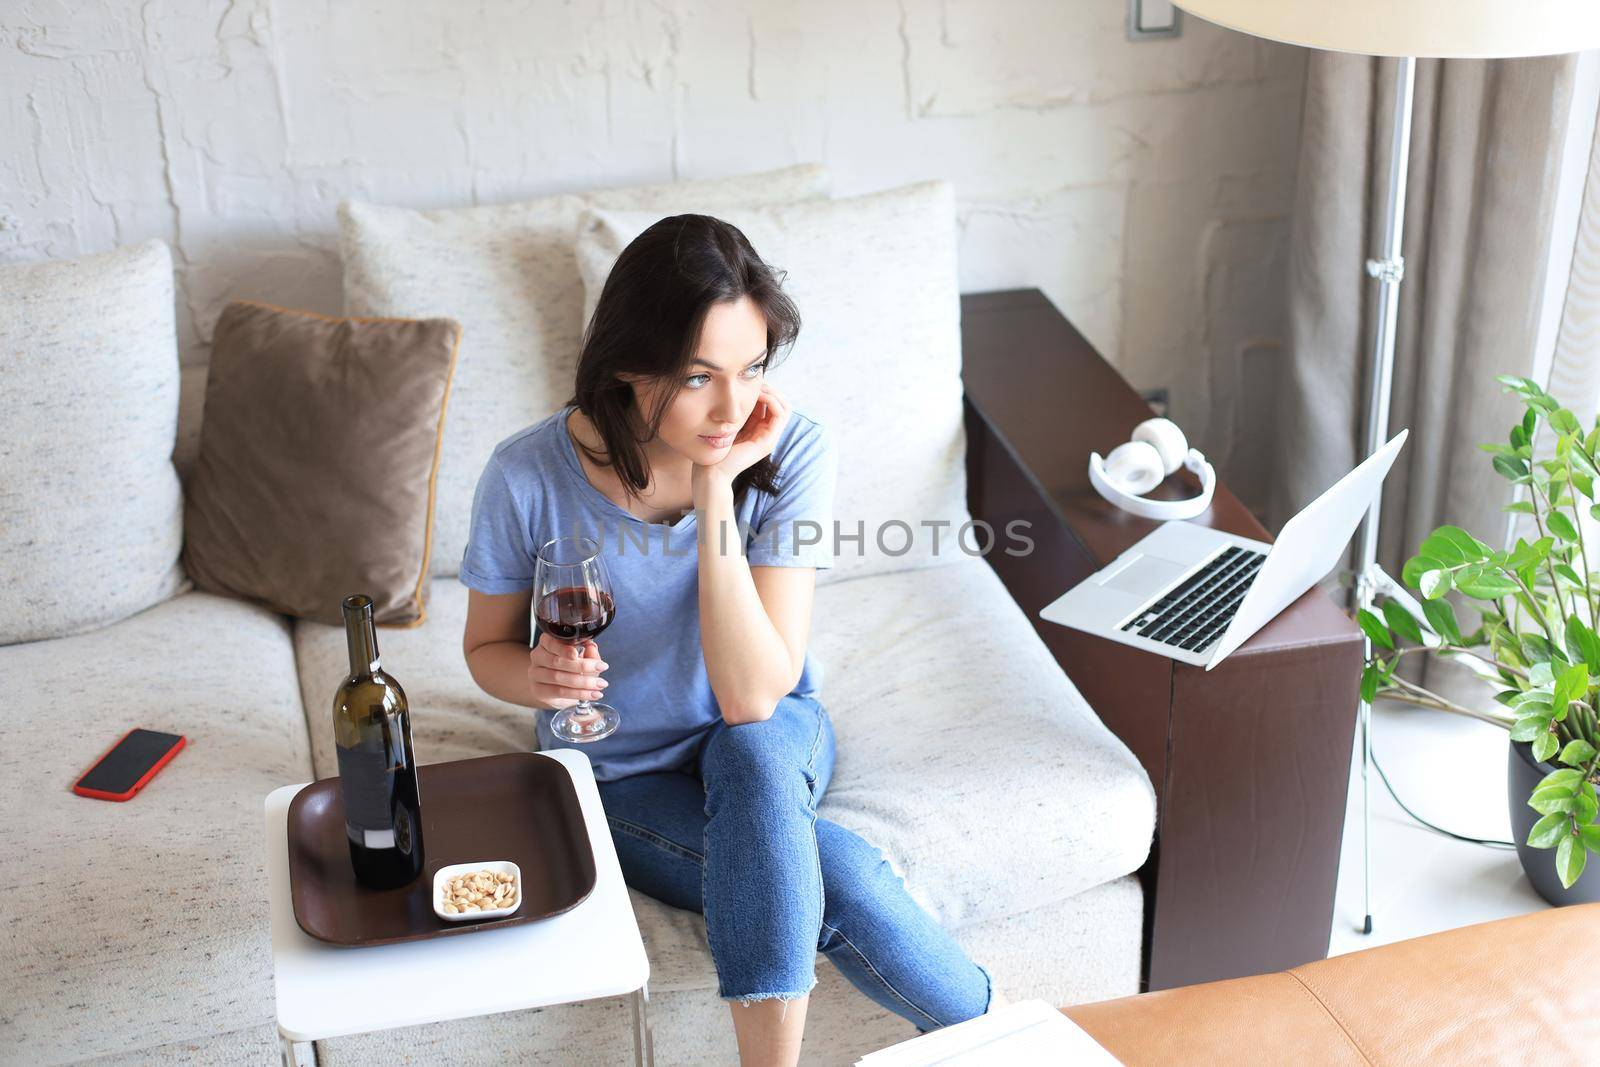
[(1195, 613)]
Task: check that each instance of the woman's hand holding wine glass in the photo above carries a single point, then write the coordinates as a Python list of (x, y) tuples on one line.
[(572, 605), (561, 674)]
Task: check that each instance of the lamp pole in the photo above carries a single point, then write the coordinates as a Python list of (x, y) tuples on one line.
[(1389, 269)]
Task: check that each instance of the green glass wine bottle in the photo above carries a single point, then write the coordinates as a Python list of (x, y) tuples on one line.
[(377, 765)]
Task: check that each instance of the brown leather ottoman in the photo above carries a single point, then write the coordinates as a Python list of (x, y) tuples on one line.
[(1514, 991)]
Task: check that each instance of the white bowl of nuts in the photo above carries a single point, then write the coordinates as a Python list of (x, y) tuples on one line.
[(490, 889)]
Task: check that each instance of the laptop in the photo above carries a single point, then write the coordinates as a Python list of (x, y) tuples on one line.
[(1195, 594)]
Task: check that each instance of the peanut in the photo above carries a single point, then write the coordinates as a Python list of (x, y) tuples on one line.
[(482, 890)]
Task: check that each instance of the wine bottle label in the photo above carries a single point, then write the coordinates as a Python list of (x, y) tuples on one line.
[(367, 784)]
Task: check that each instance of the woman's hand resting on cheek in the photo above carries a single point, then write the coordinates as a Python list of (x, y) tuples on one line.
[(560, 674), (754, 441)]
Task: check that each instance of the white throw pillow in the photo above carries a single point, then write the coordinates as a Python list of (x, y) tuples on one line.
[(506, 273), (878, 359), (91, 512)]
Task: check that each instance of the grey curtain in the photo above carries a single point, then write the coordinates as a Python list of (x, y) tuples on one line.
[(1484, 152)]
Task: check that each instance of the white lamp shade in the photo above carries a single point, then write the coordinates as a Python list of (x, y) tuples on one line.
[(1463, 29)]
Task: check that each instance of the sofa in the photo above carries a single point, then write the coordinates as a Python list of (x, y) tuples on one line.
[(137, 932), (1498, 993)]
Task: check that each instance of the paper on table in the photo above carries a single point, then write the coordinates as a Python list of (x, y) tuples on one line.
[(1028, 1032)]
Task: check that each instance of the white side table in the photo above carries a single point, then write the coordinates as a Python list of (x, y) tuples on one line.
[(592, 951)]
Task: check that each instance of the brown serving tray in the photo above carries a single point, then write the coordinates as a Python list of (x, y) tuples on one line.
[(519, 806)]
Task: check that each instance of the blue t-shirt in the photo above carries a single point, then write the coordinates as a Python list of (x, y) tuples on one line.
[(533, 489)]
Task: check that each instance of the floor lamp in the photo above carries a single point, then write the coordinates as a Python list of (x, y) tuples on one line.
[(1407, 30)]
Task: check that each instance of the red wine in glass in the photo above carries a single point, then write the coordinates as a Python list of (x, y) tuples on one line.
[(572, 602), (575, 613)]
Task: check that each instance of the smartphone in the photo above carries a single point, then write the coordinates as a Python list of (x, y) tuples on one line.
[(132, 762)]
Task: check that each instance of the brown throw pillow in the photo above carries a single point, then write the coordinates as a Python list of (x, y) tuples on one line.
[(319, 448)]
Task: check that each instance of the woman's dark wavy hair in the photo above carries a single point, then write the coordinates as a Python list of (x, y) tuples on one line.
[(648, 322)]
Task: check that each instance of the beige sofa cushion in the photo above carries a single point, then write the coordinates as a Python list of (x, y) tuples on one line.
[(965, 752), (878, 360), (506, 273), (165, 941), (91, 513)]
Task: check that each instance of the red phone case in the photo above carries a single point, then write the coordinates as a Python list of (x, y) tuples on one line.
[(155, 768)]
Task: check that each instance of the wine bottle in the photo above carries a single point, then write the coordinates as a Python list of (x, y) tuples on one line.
[(377, 766)]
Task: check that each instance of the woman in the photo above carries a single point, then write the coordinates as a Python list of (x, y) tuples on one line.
[(705, 493)]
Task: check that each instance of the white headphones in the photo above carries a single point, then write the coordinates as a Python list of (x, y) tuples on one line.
[(1134, 468)]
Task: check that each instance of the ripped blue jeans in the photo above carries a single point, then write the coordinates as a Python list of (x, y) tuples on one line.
[(740, 841)]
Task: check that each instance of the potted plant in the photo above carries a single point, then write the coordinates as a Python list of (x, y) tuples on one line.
[(1535, 646)]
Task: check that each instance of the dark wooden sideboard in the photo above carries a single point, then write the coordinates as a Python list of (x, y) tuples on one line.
[(1250, 761)]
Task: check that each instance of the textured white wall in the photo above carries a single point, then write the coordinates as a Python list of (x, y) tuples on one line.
[(1144, 187)]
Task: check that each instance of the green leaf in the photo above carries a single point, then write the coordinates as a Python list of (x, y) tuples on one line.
[(1402, 621), (1487, 587), (1411, 573), (1584, 808), (1583, 642), (1448, 540), (1521, 507), (1514, 469), (1558, 522), (1567, 778), (1570, 858), (1580, 460), (1526, 555), (1444, 549), (1528, 728), (1584, 483), (1374, 629), (1370, 676), (1564, 421), (1547, 832), (1511, 381), (1577, 753), (1550, 801), (1539, 650), (1435, 584), (1528, 576), (1572, 683), (1570, 576), (1544, 746), (1442, 618), (1590, 836), (1539, 695)]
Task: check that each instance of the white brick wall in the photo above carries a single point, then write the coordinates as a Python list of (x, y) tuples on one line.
[(1144, 187)]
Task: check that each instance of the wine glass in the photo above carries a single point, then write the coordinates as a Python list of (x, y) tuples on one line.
[(572, 603)]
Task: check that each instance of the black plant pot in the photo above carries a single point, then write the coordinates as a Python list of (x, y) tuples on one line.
[(1522, 776)]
